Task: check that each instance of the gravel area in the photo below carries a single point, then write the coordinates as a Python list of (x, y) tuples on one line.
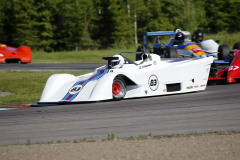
[(191, 147), (3, 94)]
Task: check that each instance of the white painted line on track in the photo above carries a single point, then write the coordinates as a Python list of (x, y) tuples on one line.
[(4, 109)]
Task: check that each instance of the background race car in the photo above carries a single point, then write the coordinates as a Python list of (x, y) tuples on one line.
[(181, 46), (230, 74), (15, 55), (211, 47)]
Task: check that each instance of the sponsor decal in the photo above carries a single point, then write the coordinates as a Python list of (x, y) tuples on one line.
[(111, 70), (196, 50), (164, 90), (233, 68), (144, 66), (155, 63), (203, 85), (196, 86), (153, 82), (189, 87)]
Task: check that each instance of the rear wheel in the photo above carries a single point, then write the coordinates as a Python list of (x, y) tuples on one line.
[(118, 88), (236, 46), (223, 51)]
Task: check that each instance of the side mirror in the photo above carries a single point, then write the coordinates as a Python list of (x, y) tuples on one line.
[(109, 59)]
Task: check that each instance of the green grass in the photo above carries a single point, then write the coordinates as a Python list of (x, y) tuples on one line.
[(85, 56), (225, 38), (25, 87)]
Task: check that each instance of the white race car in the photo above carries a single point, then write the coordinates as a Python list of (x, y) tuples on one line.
[(123, 78), (211, 47)]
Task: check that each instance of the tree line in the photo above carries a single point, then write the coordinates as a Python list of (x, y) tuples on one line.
[(58, 25)]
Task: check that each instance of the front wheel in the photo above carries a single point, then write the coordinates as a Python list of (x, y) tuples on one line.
[(118, 89), (223, 51)]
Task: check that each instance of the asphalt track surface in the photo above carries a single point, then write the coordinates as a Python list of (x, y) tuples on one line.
[(215, 109)]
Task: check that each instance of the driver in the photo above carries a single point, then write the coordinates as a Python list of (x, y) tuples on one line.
[(197, 36), (179, 38), (187, 45), (116, 64)]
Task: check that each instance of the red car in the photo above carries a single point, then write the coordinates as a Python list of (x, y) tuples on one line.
[(8, 54), (230, 74)]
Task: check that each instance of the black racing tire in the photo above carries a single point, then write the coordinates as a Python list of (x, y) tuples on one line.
[(171, 52), (213, 70), (223, 51), (118, 88), (236, 46)]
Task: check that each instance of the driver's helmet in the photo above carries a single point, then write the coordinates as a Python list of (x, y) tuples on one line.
[(198, 36), (179, 38), (116, 64)]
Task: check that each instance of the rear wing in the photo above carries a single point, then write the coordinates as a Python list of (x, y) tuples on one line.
[(161, 33)]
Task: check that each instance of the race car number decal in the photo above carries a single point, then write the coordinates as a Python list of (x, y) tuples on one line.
[(233, 68), (75, 89), (153, 82)]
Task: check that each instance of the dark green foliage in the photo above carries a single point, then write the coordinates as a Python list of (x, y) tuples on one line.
[(104, 24), (223, 15), (43, 25), (94, 24), (123, 23), (7, 20)]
